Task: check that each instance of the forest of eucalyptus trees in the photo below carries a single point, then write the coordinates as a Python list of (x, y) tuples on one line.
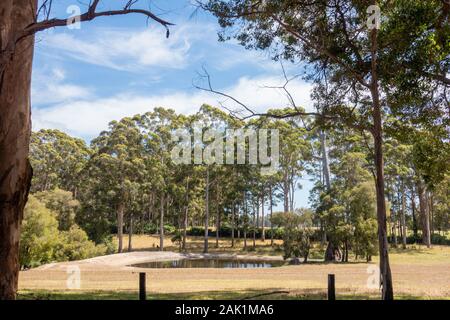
[(126, 181)]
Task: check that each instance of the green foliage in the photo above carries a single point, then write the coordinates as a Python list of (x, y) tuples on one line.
[(150, 228), (41, 242), (169, 229), (297, 233), (57, 160), (62, 203), (77, 246), (177, 238)]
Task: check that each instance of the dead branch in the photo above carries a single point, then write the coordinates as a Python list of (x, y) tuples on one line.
[(89, 15)]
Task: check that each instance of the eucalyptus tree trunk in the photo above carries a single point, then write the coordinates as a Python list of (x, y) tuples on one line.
[(263, 233), (161, 224), (387, 292), (393, 223), (271, 216), (120, 210), (233, 213), (291, 196), (424, 214), (186, 211), (403, 216), (15, 128), (130, 234), (255, 225), (431, 212), (331, 246), (413, 213), (286, 193), (217, 223), (245, 222), (325, 161), (205, 246)]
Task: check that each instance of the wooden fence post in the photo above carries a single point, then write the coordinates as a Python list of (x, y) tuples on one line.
[(331, 287), (142, 293)]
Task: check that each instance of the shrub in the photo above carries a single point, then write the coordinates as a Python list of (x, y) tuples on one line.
[(150, 228), (41, 242), (297, 233), (277, 233), (198, 232), (439, 239), (110, 245), (77, 246), (62, 203), (178, 239), (40, 239), (169, 229)]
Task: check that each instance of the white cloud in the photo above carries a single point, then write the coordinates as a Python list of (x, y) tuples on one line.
[(264, 92), (132, 50), (49, 88), (121, 49), (86, 118)]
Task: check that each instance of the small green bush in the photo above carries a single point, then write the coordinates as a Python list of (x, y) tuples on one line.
[(41, 242), (169, 229), (149, 228)]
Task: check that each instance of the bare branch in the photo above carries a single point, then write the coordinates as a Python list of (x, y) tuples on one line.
[(348, 120), (90, 15)]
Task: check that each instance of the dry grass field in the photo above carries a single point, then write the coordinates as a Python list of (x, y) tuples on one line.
[(418, 272)]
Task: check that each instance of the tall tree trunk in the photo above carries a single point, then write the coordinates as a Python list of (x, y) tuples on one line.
[(120, 210), (413, 212), (325, 162), (233, 213), (15, 130), (424, 215), (431, 212), (331, 247), (161, 224), (271, 216), (245, 222), (387, 292), (291, 196), (130, 234), (217, 224), (286, 193), (263, 233), (255, 209), (393, 222), (403, 216), (186, 211), (205, 246)]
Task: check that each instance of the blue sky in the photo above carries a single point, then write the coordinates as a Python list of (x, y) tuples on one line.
[(121, 66)]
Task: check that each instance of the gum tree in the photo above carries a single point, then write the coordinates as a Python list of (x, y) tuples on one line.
[(20, 20), (351, 51)]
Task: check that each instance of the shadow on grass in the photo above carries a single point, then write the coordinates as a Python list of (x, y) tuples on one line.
[(306, 294)]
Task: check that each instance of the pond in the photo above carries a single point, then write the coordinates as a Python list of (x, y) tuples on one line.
[(211, 263)]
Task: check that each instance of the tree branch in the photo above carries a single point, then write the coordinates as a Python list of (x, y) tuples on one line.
[(89, 15), (46, 24), (297, 112)]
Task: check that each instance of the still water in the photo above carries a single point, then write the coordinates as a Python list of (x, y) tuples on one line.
[(210, 263)]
